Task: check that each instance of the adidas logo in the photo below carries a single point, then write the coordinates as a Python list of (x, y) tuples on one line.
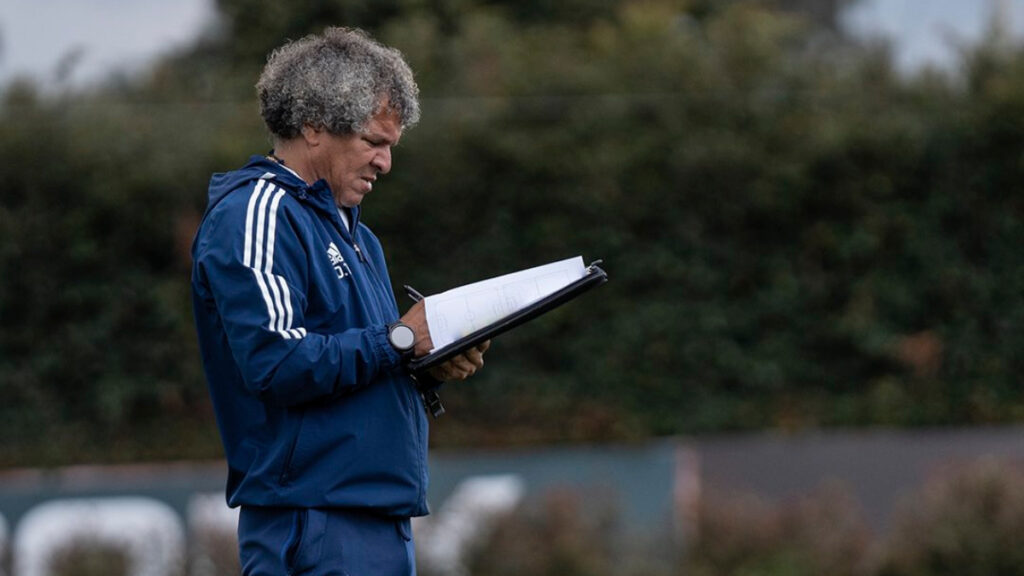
[(338, 261)]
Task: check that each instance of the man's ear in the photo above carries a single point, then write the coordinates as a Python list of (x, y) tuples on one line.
[(312, 135)]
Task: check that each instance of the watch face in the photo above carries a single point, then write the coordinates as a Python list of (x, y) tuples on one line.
[(402, 337)]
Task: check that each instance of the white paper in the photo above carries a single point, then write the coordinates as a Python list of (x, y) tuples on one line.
[(464, 310)]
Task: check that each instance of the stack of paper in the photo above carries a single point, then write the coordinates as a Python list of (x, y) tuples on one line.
[(464, 310)]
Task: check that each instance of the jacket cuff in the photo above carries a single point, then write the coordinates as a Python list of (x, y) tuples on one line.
[(389, 357)]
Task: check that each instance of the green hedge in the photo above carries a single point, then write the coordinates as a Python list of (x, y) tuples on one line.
[(797, 236)]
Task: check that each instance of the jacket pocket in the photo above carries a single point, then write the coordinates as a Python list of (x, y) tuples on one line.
[(287, 468)]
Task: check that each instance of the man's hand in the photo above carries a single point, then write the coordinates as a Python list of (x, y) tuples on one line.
[(458, 368), (416, 318), (462, 366)]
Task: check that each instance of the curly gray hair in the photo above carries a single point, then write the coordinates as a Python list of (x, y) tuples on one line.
[(336, 81)]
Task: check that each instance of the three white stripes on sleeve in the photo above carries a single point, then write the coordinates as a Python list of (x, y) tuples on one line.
[(260, 225)]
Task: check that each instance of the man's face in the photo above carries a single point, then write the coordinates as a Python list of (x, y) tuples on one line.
[(350, 163)]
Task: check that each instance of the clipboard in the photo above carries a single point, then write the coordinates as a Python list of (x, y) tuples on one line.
[(594, 276)]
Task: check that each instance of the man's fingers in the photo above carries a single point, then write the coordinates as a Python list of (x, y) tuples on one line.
[(463, 366), (475, 357), (459, 368)]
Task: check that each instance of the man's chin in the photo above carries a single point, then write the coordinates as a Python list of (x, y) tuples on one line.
[(351, 200)]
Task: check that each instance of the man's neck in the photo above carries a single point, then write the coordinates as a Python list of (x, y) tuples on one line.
[(287, 154), (293, 155)]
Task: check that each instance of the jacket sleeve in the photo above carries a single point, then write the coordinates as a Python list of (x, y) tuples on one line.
[(254, 270)]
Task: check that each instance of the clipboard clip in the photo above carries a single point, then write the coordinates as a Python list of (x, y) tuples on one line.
[(595, 265), (427, 386), (432, 402)]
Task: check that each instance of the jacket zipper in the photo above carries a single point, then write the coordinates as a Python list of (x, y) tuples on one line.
[(413, 403), (381, 288), (350, 238)]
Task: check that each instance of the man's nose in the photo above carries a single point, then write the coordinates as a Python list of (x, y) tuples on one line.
[(382, 161)]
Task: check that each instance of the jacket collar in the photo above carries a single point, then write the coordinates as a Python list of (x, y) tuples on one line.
[(318, 194)]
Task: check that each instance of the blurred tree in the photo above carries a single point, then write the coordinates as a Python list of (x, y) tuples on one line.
[(827, 13)]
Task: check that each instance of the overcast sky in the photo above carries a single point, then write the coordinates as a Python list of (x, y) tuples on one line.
[(927, 31), (106, 34), (35, 35)]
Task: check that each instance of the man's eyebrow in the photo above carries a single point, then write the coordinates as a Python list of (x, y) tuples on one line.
[(381, 138)]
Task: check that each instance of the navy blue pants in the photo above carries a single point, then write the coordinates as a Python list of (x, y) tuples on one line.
[(323, 542)]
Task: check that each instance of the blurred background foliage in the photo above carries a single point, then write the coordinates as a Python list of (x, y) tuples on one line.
[(965, 520), (797, 235)]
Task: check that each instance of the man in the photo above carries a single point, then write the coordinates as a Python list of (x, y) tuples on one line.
[(300, 334)]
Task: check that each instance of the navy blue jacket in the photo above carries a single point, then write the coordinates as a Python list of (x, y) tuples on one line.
[(313, 406)]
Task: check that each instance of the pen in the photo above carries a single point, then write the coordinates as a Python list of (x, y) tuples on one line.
[(416, 296)]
